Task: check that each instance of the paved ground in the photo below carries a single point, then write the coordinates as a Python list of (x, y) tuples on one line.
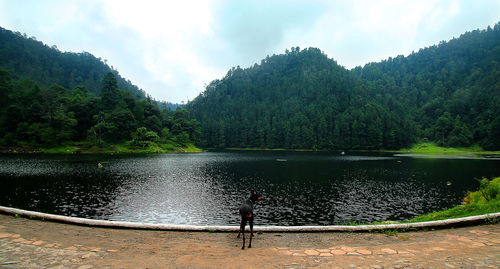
[(26, 243)]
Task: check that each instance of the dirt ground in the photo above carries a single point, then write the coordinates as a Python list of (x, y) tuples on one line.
[(27, 243)]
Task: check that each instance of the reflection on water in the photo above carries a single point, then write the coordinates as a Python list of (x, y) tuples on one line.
[(207, 189)]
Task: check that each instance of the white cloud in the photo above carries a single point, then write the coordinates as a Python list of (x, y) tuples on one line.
[(440, 13), (368, 31), (174, 19), (170, 32)]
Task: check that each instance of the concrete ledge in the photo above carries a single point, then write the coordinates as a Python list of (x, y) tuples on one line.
[(194, 228)]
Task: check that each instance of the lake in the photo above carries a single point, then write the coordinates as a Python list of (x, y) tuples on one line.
[(299, 188)]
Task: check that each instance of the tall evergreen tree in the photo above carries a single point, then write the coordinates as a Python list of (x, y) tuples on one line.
[(109, 92)]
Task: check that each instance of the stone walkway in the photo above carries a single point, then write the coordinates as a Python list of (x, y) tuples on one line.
[(26, 243)]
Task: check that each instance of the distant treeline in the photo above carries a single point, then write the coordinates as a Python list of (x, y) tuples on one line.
[(448, 93), (31, 115)]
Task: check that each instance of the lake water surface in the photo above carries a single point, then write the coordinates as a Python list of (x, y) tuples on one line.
[(299, 188)]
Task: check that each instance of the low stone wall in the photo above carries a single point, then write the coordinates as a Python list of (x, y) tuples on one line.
[(193, 228)]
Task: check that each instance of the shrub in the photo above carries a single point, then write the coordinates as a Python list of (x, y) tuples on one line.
[(143, 137), (489, 189)]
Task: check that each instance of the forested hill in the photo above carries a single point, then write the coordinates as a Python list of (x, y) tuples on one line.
[(448, 93), (29, 58), (50, 99)]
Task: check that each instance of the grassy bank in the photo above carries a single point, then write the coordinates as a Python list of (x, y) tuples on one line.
[(90, 148), (266, 149), (428, 148), (485, 200), (433, 149)]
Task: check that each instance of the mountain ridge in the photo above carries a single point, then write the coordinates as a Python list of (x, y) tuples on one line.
[(32, 59), (448, 93)]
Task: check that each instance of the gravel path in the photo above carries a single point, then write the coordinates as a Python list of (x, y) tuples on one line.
[(26, 243)]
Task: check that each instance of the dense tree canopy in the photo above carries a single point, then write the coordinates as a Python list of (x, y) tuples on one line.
[(31, 59), (49, 97), (49, 116), (449, 93)]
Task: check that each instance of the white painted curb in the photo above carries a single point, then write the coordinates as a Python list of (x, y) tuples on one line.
[(194, 228)]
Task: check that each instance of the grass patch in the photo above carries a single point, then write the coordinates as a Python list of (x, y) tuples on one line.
[(162, 148), (432, 148), (485, 200), (259, 149), (395, 233), (390, 232), (459, 212), (404, 238), (127, 147), (63, 149)]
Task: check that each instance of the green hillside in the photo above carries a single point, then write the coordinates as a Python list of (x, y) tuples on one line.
[(447, 93), (51, 100), (32, 59)]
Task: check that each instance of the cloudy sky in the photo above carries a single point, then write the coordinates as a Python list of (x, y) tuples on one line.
[(171, 49)]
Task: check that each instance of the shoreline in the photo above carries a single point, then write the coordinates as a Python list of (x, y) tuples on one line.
[(459, 153), (110, 149), (435, 224), (420, 149)]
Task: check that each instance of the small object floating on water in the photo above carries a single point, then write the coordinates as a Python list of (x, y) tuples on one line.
[(99, 165), (281, 160), (342, 153), (448, 183)]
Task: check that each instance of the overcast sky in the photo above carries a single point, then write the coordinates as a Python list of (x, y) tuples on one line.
[(171, 49)]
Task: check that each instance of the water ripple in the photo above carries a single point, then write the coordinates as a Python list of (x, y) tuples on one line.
[(206, 189)]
